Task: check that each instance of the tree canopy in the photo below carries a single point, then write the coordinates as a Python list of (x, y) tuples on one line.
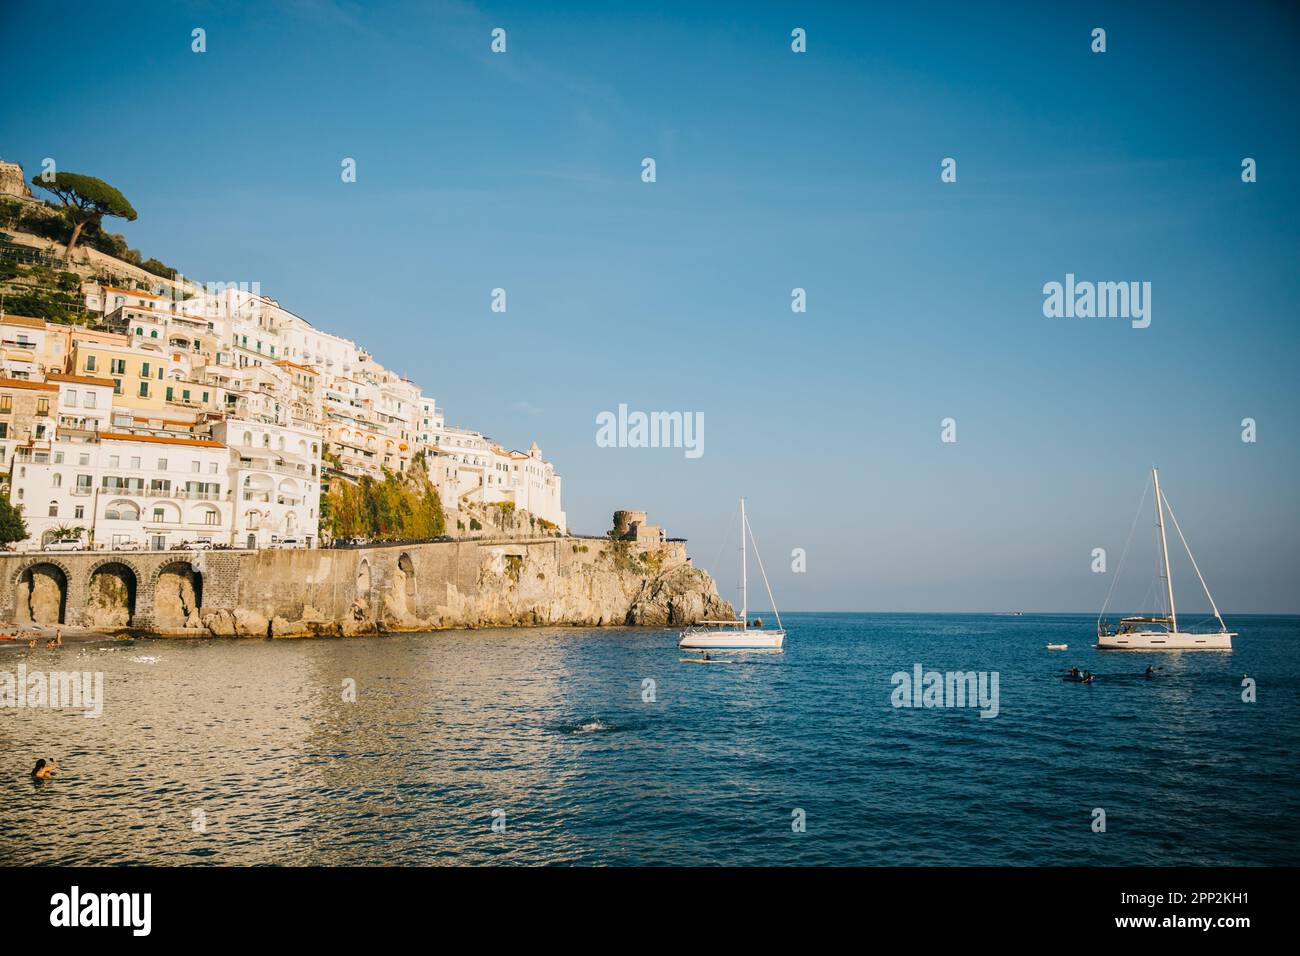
[(398, 507), (12, 526), (85, 200)]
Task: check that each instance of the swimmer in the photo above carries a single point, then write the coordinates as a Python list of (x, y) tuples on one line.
[(45, 770)]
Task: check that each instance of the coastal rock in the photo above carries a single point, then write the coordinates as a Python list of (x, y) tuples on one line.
[(678, 597), (250, 623), (219, 623)]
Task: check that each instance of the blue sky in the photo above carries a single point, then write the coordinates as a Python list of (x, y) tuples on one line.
[(775, 170)]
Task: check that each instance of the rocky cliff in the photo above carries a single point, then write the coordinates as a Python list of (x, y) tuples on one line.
[(556, 582)]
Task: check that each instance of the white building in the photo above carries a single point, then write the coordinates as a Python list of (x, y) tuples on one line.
[(275, 471), (146, 492)]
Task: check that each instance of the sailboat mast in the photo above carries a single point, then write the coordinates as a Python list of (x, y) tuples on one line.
[(744, 570), (1164, 550)]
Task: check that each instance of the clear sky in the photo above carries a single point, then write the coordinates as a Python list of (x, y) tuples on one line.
[(775, 170)]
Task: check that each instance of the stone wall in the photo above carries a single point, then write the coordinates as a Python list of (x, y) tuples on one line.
[(555, 581)]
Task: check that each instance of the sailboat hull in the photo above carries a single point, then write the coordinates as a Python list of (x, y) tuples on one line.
[(1166, 641), (732, 640)]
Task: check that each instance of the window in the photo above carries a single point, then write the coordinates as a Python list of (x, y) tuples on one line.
[(153, 334), (71, 397), (205, 398), (79, 511), (83, 459), (212, 467), (159, 514), (139, 331), (196, 467), (169, 393), (144, 369), (90, 363), (57, 480), (42, 406), (89, 401), (144, 389), (54, 509), (117, 386), (210, 517), (114, 461), (4, 429), (162, 464), (83, 484), (135, 463), (117, 366)]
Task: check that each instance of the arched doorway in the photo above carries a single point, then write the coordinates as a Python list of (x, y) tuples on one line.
[(111, 599), (178, 595), (41, 596)]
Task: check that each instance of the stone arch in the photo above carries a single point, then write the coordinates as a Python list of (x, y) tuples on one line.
[(122, 509), (401, 593), (171, 511), (205, 515), (111, 591), (41, 593), (406, 572), (258, 487), (178, 595)]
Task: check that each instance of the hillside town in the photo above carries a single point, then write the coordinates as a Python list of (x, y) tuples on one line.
[(186, 414)]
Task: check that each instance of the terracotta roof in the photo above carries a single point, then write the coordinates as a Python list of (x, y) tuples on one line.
[(126, 436), (164, 421), (26, 320), (80, 380), (143, 295), (23, 383), (305, 368)]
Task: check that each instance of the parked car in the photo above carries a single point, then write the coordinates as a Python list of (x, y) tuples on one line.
[(196, 545), (289, 543), (63, 544)]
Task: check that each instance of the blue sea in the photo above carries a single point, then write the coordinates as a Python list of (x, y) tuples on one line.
[(598, 747)]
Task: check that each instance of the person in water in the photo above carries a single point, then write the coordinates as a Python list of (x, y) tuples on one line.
[(1151, 671), (1074, 672), (44, 770)]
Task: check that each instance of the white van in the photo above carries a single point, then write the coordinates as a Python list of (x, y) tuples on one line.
[(63, 544)]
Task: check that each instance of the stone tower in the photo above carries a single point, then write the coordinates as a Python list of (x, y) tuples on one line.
[(12, 181)]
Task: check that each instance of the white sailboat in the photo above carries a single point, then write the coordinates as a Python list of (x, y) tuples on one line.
[(738, 634), (1160, 632)]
